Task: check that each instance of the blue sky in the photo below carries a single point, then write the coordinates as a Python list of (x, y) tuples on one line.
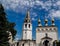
[(16, 12)]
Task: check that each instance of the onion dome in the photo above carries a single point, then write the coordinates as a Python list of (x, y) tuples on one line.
[(39, 23), (53, 24), (46, 22)]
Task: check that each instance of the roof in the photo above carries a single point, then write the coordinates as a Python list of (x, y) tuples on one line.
[(46, 38), (27, 18)]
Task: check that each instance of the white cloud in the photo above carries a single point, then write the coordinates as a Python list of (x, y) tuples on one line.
[(17, 4), (47, 5), (54, 13), (34, 19), (34, 14), (22, 5), (39, 2), (58, 2)]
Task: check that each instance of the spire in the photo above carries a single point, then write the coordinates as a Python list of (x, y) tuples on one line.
[(28, 15), (39, 23), (53, 24), (27, 19), (46, 22)]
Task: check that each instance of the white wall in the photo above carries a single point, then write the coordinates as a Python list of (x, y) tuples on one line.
[(27, 35), (27, 32), (41, 34)]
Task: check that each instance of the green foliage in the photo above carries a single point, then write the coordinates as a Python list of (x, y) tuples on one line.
[(5, 26), (56, 43)]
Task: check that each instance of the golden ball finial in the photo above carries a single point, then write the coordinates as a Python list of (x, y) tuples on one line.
[(39, 23)]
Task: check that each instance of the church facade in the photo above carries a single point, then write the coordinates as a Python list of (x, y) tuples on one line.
[(45, 35)]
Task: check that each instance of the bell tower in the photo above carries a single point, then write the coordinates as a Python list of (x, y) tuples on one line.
[(27, 28)]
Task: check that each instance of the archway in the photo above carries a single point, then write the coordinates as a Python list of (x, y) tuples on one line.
[(23, 44), (45, 43)]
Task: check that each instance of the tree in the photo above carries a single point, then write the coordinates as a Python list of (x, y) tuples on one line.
[(5, 26), (11, 29), (3, 33), (56, 43)]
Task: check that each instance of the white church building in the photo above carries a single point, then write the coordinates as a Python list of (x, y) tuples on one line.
[(45, 35)]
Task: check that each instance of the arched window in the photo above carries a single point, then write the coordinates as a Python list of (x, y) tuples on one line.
[(17, 43), (53, 43), (25, 25), (45, 43), (23, 44), (26, 20), (29, 25)]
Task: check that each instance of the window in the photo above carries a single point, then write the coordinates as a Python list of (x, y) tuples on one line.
[(22, 44), (45, 43), (25, 25), (54, 28), (29, 25), (26, 20)]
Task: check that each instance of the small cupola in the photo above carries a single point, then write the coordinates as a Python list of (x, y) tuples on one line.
[(53, 24), (39, 23), (46, 22)]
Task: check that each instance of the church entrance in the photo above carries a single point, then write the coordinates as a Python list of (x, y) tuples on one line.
[(45, 43), (22, 44)]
